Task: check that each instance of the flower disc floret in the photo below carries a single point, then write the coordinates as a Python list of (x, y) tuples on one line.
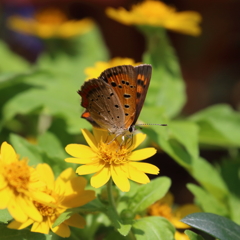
[(112, 154), (111, 157)]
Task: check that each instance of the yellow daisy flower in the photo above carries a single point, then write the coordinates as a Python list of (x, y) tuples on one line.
[(50, 23), (156, 13), (68, 192), (19, 185), (112, 158), (94, 72), (163, 208)]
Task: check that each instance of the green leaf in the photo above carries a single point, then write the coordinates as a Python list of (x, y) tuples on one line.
[(114, 235), (5, 216), (24, 234), (219, 125), (193, 235), (122, 228), (167, 88), (186, 134), (150, 228), (216, 226), (230, 173), (35, 154), (90, 48), (26, 149), (51, 145), (149, 193), (93, 206), (54, 89), (60, 99), (209, 178), (208, 202), (11, 62), (234, 208), (175, 143), (10, 79)]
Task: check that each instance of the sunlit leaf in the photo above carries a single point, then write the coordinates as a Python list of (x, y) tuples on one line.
[(218, 125), (148, 194), (149, 228), (167, 88)]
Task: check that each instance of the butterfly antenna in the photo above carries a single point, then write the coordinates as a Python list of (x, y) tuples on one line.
[(147, 124)]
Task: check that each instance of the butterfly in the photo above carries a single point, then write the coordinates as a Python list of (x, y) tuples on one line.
[(114, 100)]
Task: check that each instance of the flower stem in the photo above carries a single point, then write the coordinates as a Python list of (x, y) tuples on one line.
[(110, 195), (112, 204)]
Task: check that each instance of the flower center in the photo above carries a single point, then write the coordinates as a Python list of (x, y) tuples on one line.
[(160, 209), (113, 153), (17, 174), (48, 210)]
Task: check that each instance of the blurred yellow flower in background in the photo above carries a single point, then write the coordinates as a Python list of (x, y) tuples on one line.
[(156, 13), (19, 186), (50, 23), (67, 192), (94, 72), (112, 158), (164, 208)]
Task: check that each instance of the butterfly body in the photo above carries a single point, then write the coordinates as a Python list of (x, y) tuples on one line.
[(115, 99)]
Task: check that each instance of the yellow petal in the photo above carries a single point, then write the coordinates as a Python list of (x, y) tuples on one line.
[(41, 227), (77, 200), (181, 212), (60, 187), (90, 140), (142, 154), (62, 230), (76, 220), (100, 178), (120, 178), (16, 211), (8, 154), (136, 175), (42, 197), (100, 134), (17, 225), (29, 208), (80, 151), (67, 174), (137, 140), (181, 236), (3, 182), (89, 168), (46, 174), (145, 167), (167, 199), (79, 160), (5, 195), (75, 185)]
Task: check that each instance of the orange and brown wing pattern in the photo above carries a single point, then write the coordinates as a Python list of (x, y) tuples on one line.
[(143, 73), (123, 81)]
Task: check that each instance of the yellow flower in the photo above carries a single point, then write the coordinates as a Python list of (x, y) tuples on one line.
[(163, 208), (48, 24), (19, 185), (156, 13), (112, 158), (94, 72), (67, 192)]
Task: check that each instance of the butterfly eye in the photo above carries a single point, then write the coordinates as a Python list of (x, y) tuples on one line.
[(131, 129)]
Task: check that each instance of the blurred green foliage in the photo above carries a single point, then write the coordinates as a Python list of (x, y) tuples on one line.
[(39, 103)]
